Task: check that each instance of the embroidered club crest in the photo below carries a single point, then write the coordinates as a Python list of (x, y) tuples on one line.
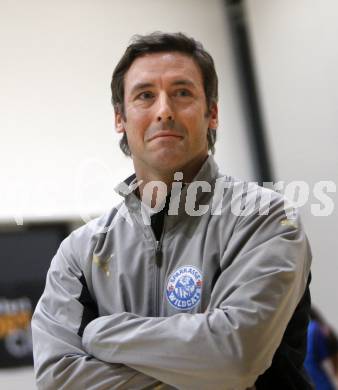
[(184, 287)]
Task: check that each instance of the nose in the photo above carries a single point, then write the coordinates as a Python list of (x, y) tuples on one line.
[(165, 111)]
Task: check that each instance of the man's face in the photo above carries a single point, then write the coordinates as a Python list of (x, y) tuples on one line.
[(166, 117)]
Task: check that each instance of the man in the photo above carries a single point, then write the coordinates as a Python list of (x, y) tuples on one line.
[(178, 286)]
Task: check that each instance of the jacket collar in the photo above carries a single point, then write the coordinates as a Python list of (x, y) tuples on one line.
[(208, 172)]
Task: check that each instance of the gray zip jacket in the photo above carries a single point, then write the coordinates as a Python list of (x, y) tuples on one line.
[(203, 308)]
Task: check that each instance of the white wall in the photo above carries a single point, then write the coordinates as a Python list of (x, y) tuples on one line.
[(295, 48), (59, 155), (17, 379)]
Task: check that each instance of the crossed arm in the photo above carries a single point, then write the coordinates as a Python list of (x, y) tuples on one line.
[(60, 360), (226, 347)]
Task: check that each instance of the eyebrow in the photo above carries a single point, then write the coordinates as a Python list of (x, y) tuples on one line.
[(184, 82), (140, 86)]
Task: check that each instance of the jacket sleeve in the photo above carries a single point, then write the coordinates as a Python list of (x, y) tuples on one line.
[(264, 270), (59, 359)]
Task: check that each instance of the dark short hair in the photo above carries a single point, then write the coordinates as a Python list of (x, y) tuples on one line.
[(162, 42)]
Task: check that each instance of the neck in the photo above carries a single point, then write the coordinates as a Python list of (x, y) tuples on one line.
[(152, 194)]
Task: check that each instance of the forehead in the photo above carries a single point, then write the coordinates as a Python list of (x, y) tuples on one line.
[(163, 66)]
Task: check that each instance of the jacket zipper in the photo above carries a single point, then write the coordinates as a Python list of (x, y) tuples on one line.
[(158, 264)]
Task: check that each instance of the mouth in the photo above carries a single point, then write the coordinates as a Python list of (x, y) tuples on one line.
[(163, 134)]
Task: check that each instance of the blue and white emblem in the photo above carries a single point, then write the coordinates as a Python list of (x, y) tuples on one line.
[(184, 287)]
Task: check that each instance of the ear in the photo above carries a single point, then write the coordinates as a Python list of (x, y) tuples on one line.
[(119, 122), (213, 116)]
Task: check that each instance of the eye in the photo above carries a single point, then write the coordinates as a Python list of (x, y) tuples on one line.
[(146, 95), (182, 93)]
